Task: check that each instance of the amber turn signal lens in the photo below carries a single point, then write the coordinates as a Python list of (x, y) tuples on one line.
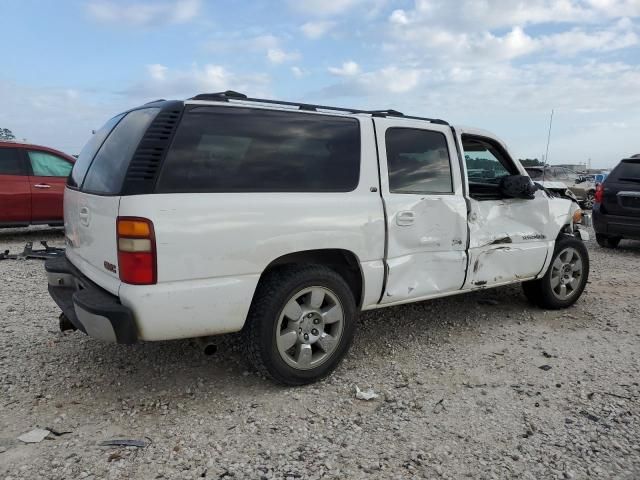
[(133, 228), (577, 216)]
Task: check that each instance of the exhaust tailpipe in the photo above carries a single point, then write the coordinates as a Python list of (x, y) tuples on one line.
[(207, 344)]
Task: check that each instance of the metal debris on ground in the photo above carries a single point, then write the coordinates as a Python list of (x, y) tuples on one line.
[(545, 367), (365, 394), (124, 442), (28, 252), (34, 436)]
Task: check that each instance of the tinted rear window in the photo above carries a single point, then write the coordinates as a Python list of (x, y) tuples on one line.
[(628, 170), (89, 151), (110, 164), (218, 149), (11, 162)]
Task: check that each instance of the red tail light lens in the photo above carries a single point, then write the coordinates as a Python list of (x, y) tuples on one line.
[(136, 251), (599, 195)]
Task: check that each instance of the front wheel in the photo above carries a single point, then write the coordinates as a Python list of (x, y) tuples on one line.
[(589, 200), (300, 324), (566, 276)]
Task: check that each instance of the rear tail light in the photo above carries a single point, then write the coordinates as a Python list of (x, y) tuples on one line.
[(599, 195), (136, 251)]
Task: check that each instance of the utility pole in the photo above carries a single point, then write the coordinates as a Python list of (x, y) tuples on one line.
[(549, 137)]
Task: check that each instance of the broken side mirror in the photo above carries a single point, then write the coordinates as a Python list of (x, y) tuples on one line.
[(518, 186)]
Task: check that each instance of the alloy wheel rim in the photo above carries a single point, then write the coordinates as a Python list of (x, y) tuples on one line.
[(566, 274), (309, 328)]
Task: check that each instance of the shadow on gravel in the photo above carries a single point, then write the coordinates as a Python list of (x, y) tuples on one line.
[(30, 234), (172, 369)]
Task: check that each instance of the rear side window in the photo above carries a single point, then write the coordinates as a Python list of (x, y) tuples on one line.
[(218, 149), (627, 171), (418, 161), (89, 151), (44, 164), (11, 162), (109, 167)]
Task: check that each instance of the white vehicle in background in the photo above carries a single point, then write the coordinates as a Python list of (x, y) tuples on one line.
[(224, 213)]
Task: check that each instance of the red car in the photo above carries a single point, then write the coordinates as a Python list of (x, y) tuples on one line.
[(32, 180)]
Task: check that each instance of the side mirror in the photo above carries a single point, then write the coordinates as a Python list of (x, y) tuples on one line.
[(518, 186)]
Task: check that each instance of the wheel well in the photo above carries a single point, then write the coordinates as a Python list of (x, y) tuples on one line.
[(343, 262)]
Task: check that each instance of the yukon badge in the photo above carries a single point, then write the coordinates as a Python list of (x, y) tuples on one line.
[(110, 266), (534, 236)]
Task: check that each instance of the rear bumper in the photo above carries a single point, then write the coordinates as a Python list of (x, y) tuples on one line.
[(615, 225), (90, 308)]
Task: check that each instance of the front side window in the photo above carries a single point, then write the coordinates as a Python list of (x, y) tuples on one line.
[(11, 162), (44, 164), (485, 163), (226, 149), (418, 161)]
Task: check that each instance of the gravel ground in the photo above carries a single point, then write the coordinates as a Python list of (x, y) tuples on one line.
[(461, 392)]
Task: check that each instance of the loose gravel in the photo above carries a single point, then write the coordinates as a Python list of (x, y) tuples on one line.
[(476, 386)]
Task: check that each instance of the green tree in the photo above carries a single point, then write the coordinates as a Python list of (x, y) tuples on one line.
[(531, 162), (6, 135)]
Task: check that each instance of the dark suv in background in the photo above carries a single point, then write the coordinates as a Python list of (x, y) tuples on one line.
[(616, 212)]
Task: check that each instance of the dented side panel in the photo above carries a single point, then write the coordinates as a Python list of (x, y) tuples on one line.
[(427, 233), (511, 239)]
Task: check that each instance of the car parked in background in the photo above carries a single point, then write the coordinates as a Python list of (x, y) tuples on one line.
[(616, 212), (32, 180), (550, 177), (538, 175)]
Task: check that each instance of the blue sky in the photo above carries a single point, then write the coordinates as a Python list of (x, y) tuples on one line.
[(495, 64)]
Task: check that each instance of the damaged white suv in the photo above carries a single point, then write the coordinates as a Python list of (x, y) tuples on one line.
[(224, 213)]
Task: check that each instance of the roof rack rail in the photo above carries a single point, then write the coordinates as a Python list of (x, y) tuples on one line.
[(309, 107)]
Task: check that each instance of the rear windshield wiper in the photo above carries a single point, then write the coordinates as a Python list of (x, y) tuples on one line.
[(630, 179)]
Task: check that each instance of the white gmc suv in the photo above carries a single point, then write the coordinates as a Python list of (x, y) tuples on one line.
[(224, 213)]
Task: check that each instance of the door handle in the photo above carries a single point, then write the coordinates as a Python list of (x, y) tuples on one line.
[(84, 216), (42, 185), (406, 218)]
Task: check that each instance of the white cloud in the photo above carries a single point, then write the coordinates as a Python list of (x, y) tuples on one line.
[(399, 17), (348, 69), (143, 13), (391, 79), (61, 118), (318, 29), (298, 72), (324, 7), (157, 71), (277, 56), (165, 82)]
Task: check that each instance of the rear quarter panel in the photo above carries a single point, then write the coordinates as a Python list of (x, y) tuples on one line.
[(213, 247)]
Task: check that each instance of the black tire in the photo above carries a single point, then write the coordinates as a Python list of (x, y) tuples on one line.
[(540, 292), (274, 291), (607, 242)]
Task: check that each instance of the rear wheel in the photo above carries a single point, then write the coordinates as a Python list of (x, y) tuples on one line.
[(565, 279), (301, 324), (607, 242)]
